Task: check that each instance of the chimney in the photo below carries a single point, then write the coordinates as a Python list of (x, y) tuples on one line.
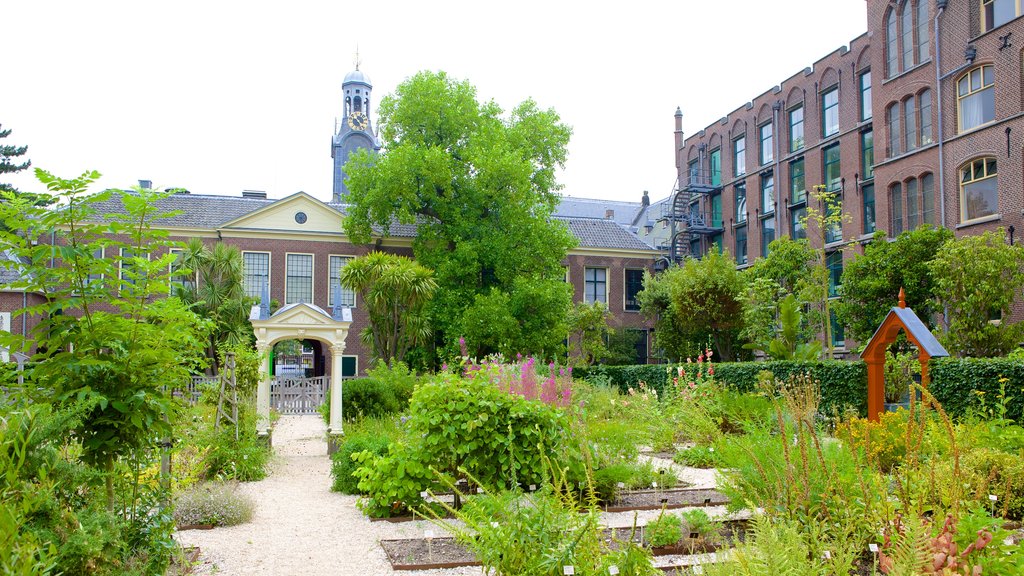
[(147, 184), (646, 200), (254, 194), (609, 214)]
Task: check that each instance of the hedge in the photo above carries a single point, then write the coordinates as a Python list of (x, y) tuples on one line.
[(843, 383), (956, 380)]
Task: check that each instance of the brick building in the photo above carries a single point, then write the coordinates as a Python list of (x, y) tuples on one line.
[(919, 120)]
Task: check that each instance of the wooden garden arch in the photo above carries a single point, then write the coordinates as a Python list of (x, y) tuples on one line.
[(899, 318)]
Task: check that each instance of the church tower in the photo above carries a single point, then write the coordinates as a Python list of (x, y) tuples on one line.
[(355, 130)]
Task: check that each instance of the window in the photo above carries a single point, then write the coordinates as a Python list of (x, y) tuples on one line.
[(348, 296), (924, 103), (830, 112), (797, 182), (97, 255), (716, 211), (741, 245), (798, 216), (913, 204), (796, 128), (979, 195), (739, 156), (976, 98), (834, 261), (928, 199), (865, 95), (835, 232), (634, 285), (693, 172), (893, 124), (923, 38), (909, 124), (129, 272), (741, 203), (767, 194), (896, 194), (715, 161), (716, 241), (998, 12), (833, 179), (867, 155), (838, 331), (767, 145), (869, 208), (298, 282), (767, 234), (907, 23), (595, 287), (178, 280), (255, 273), (891, 45)]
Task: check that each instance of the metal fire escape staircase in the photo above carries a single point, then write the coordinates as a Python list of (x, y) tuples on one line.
[(688, 212)]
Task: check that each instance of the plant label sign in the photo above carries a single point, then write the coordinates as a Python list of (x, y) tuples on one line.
[(873, 548), (533, 487), (993, 497), (827, 555), (613, 570), (429, 534), (568, 570)]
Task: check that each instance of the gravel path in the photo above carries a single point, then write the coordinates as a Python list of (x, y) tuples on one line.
[(300, 526)]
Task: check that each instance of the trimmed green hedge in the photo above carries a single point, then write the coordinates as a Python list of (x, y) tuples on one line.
[(842, 383), (955, 380)]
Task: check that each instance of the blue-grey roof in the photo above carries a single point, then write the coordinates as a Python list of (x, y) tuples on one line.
[(622, 212), (11, 269), (915, 327), (357, 76), (600, 233)]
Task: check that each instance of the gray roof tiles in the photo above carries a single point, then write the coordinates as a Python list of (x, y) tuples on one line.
[(584, 217)]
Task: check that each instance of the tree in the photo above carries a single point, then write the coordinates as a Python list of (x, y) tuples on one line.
[(824, 218), (218, 296), (9, 158), (108, 336), (395, 291), (977, 279), (481, 189), (699, 300), (588, 332), (788, 345), (872, 281), (787, 269)]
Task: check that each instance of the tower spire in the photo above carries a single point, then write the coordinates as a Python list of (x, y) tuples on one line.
[(357, 57)]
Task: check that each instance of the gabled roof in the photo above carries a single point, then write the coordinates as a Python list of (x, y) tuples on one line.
[(622, 212), (600, 233), (918, 333), (196, 210)]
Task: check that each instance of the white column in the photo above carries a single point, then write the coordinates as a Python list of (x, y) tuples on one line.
[(263, 391), (336, 415)]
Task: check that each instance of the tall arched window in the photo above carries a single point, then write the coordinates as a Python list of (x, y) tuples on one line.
[(896, 201), (892, 117), (979, 190), (907, 23), (891, 45), (909, 124), (976, 97), (923, 35)]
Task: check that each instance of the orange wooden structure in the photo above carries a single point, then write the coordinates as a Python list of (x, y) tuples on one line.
[(899, 318)]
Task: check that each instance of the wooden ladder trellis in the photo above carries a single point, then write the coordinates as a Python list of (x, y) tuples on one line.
[(227, 399)]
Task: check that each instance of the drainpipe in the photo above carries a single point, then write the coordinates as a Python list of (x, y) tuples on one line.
[(941, 5), (777, 174)]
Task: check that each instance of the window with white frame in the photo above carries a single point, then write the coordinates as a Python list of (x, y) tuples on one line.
[(255, 273), (348, 296), (298, 282)]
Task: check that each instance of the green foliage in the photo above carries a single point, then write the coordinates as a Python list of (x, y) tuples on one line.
[(872, 281), (369, 397), (786, 270), (623, 378), (481, 188), (665, 530), (588, 331), (697, 521), (342, 464), (977, 279), (843, 383), (244, 459), (824, 217), (786, 346), (9, 160), (215, 503), (900, 369), (695, 301), (965, 384), (778, 548), (465, 426), (697, 457), (988, 471), (395, 291)]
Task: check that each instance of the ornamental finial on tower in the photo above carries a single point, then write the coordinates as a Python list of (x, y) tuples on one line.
[(357, 57)]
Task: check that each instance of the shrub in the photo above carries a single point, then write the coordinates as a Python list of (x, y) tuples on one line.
[(665, 530), (626, 377), (399, 378), (632, 475), (342, 464), (697, 457), (698, 522), (244, 459), (216, 503), (883, 443), (963, 384), (990, 471)]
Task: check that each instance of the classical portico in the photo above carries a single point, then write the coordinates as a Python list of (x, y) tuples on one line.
[(300, 321)]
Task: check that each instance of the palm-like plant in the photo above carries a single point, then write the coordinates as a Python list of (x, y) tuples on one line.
[(395, 290)]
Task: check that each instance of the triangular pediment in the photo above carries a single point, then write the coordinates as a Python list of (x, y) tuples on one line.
[(284, 215)]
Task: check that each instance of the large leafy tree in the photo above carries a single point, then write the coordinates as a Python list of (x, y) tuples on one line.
[(481, 187), (699, 300), (872, 281), (977, 279), (108, 336), (395, 290), (786, 270)]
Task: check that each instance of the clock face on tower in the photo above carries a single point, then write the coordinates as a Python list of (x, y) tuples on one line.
[(358, 121)]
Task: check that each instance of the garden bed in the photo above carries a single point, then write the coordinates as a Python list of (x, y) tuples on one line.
[(423, 554), (668, 499)]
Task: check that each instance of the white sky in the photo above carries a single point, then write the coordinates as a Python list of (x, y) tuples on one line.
[(219, 96)]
